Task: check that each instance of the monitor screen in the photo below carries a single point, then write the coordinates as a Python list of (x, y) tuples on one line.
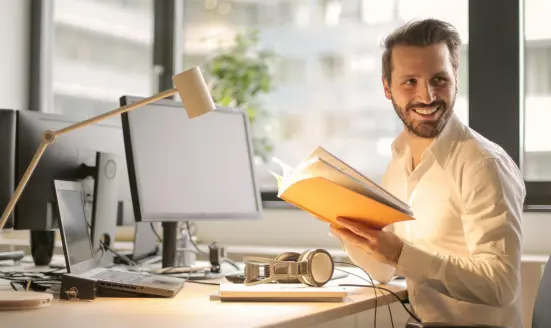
[(74, 225), (189, 169)]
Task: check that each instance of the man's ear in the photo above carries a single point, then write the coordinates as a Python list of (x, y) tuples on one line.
[(386, 87)]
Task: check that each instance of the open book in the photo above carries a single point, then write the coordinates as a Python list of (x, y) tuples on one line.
[(327, 188)]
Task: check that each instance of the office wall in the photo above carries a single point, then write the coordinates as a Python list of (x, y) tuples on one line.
[(14, 56)]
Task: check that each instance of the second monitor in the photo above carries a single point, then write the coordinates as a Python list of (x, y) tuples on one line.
[(185, 170)]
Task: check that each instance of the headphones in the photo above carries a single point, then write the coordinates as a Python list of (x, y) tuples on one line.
[(313, 267)]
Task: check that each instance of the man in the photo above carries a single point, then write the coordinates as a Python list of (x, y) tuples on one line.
[(461, 254)]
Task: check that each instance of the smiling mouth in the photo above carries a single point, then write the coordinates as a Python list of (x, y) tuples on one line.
[(426, 111)]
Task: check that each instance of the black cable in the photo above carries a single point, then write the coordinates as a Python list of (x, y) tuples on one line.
[(122, 256), (374, 290), (156, 233), (414, 316), (402, 302), (231, 262), (200, 252), (103, 247)]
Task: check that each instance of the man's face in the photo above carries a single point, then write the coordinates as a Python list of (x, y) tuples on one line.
[(423, 88)]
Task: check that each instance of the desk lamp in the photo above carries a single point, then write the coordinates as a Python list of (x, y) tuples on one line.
[(196, 100)]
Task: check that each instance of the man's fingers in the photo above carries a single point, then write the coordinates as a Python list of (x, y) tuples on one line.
[(358, 228), (351, 237)]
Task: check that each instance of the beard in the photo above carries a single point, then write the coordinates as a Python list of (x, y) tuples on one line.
[(420, 128)]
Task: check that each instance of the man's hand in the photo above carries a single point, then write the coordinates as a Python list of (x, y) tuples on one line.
[(382, 245)]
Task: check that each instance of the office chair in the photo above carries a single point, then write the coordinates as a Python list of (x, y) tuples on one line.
[(541, 316)]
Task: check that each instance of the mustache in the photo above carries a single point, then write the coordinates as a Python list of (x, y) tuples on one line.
[(422, 105)]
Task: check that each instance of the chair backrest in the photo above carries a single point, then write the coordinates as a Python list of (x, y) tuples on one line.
[(541, 316)]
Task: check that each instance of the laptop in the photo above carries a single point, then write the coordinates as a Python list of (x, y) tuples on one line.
[(79, 255)]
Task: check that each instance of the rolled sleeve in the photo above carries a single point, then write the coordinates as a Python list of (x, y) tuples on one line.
[(415, 263)]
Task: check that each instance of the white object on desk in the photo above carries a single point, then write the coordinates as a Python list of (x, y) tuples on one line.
[(280, 293), (11, 300)]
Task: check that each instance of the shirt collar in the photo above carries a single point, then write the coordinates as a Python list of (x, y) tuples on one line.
[(440, 149)]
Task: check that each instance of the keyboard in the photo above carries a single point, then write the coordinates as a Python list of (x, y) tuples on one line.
[(124, 277)]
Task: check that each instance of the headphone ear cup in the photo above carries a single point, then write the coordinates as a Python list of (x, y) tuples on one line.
[(320, 267), (292, 257), (305, 278)]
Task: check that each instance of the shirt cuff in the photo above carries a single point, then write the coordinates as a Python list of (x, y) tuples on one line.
[(415, 263)]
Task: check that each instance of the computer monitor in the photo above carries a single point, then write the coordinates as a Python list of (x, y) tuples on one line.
[(7, 160), (183, 169), (63, 160)]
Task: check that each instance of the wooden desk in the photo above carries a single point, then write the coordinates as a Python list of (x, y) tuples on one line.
[(192, 307)]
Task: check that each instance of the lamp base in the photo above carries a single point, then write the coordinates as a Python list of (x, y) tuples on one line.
[(12, 300)]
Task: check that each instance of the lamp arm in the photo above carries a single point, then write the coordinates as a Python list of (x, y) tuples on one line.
[(49, 137), (117, 111)]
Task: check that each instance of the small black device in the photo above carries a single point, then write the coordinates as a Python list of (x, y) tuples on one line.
[(82, 269), (216, 254)]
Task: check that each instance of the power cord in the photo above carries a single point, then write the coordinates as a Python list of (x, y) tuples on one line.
[(121, 256), (199, 251), (104, 247), (32, 281), (402, 302), (374, 290), (156, 233)]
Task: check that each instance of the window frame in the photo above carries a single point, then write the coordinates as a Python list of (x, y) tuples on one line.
[(496, 50)]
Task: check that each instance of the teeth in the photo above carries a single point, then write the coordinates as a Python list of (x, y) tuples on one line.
[(426, 111)]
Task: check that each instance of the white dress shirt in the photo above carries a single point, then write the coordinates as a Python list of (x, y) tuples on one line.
[(461, 256)]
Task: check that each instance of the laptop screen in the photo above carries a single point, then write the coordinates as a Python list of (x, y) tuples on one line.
[(73, 217)]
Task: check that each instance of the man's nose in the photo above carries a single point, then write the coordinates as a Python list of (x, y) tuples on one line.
[(425, 93)]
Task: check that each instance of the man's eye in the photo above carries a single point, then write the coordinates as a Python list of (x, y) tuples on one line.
[(410, 82), (440, 80)]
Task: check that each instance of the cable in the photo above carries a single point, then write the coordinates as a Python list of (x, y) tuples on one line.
[(188, 227), (231, 262), (402, 302), (156, 233), (122, 256), (103, 247), (374, 290), (35, 281), (200, 252)]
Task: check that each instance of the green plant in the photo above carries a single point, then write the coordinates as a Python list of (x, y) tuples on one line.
[(240, 75)]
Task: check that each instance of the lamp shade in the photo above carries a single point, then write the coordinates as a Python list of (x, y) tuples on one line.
[(193, 92)]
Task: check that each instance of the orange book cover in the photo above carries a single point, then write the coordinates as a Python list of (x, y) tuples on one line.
[(328, 188)]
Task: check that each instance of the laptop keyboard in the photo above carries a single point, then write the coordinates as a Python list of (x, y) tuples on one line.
[(120, 276)]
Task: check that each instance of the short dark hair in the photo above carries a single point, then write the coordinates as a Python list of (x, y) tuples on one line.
[(422, 33)]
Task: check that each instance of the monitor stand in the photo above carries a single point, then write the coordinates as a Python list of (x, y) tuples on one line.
[(170, 240)]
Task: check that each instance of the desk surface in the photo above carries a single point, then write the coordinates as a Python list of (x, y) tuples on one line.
[(192, 307)]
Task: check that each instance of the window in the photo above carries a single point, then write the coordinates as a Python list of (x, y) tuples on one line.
[(328, 73), (102, 49), (537, 91)]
